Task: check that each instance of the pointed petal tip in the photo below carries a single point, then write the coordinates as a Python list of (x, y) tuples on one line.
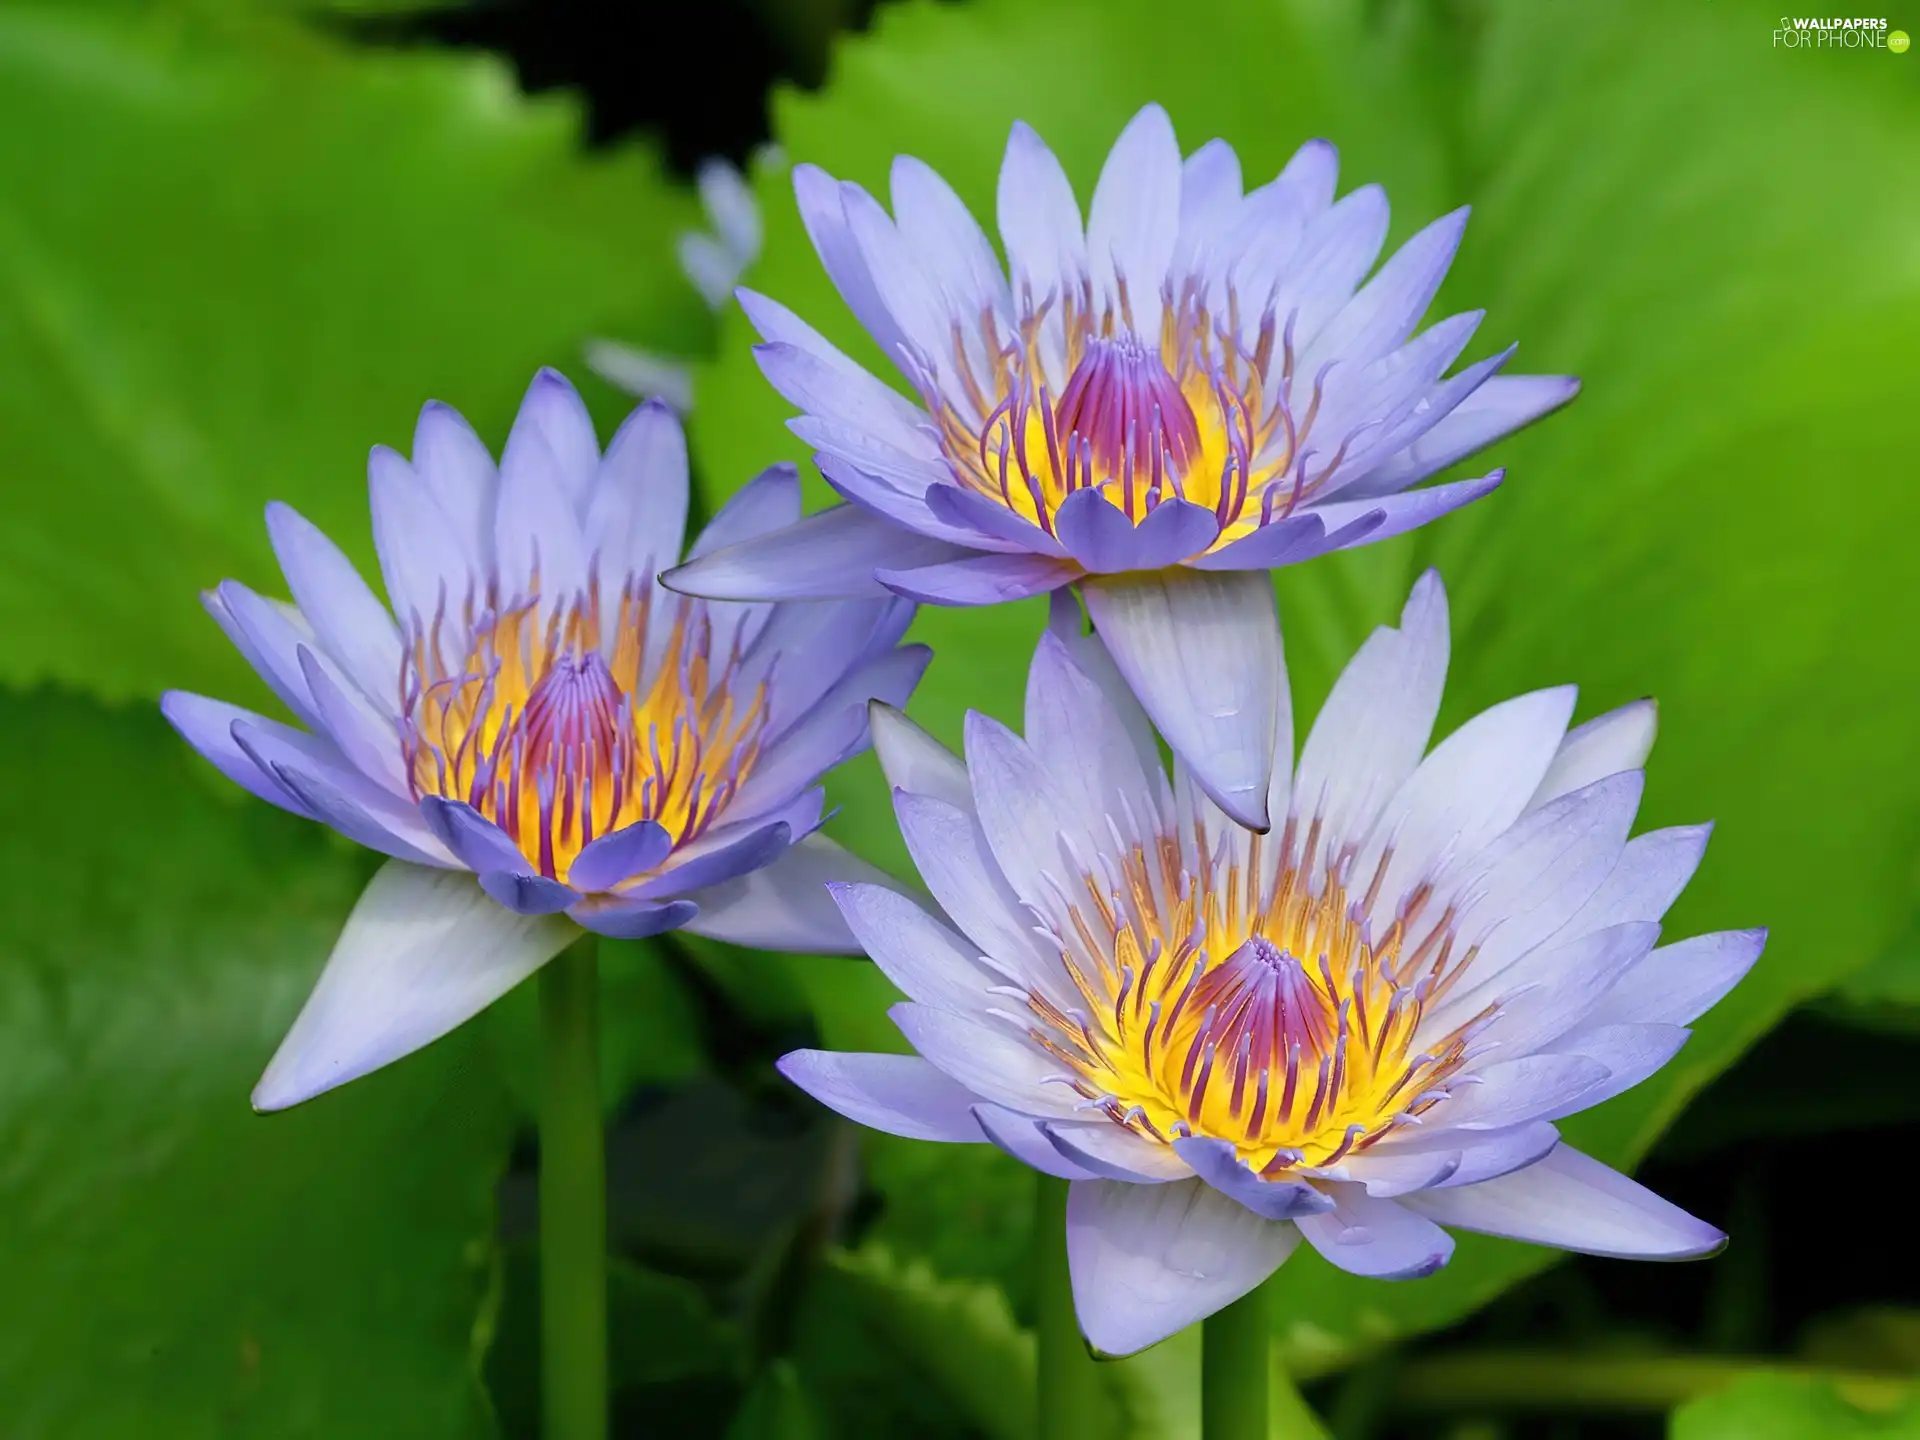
[(267, 1098)]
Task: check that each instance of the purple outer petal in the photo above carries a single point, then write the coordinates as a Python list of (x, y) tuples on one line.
[(364, 735), (980, 579), (207, 725), (1498, 407), (998, 526), (989, 1059), (835, 732), (786, 905), (267, 640), (422, 952), (824, 213), (725, 861), (1024, 1138), (528, 894), (1573, 1202), (1109, 1153), (1102, 539), (631, 850), (828, 556), (768, 502), (545, 473), (1487, 1157), (1678, 983), (1631, 1054), (854, 472), (1219, 1164), (553, 427), (351, 624), (636, 518), (900, 1094), (475, 841), (1133, 219), (1516, 1091), (1405, 512), (1150, 1260), (631, 919), (1391, 1175), (1202, 654), (1367, 1235), (1282, 542), (333, 806), (926, 960)]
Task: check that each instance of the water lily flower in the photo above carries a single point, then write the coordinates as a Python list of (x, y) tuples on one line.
[(1358, 1029), (1192, 387), (713, 261), (540, 736)]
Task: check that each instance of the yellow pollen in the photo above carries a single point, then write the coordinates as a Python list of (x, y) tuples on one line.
[(1202, 415), (1242, 1006), (560, 728)]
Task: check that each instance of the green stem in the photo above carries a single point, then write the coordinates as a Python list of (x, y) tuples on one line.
[(573, 1201), (1069, 1376), (1234, 1381)]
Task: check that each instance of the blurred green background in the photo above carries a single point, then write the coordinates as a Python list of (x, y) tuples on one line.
[(241, 242)]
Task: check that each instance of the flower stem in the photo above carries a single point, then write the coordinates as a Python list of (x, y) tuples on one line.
[(1234, 1379), (1069, 1376), (573, 1201)]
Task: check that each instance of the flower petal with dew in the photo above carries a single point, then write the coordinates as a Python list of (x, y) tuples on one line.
[(1357, 1029), (540, 735), (1198, 377)]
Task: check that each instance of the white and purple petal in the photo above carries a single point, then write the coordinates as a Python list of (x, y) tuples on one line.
[(1150, 1260), (423, 951)]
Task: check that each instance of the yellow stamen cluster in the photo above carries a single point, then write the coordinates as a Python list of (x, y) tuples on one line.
[(547, 724), (1247, 1005)]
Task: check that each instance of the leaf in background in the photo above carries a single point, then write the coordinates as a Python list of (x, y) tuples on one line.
[(1715, 236), (959, 1336), (179, 1265), (661, 1330), (1876, 1338), (235, 255), (1795, 1407), (776, 1408), (1886, 994)]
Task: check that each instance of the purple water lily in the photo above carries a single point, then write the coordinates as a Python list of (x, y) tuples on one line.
[(1358, 1029), (546, 739), (1192, 387)]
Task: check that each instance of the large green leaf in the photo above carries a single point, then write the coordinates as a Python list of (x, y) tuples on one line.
[(1717, 237), (1796, 1407), (180, 1266), (234, 255)]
